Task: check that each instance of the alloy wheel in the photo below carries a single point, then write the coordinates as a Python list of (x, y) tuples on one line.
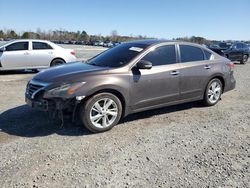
[(103, 113), (214, 92)]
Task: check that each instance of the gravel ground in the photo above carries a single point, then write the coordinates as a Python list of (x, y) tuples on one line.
[(181, 146)]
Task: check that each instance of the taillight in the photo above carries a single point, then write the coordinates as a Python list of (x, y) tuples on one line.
[(73, 53), (231, 65)]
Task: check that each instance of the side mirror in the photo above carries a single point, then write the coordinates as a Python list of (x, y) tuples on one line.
[(142, 64), (2, 49)]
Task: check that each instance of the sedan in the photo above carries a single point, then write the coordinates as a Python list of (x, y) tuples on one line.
[(33, 54), (129, 78)]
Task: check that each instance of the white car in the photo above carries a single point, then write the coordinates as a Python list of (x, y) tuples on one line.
[(33, 54)]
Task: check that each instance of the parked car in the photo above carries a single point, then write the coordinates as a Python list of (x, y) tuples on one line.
[(129, 78), (219, 47), (108, 44), (238, 52), (98, 43), (33, 54)]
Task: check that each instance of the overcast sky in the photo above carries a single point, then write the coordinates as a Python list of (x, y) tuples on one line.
[(213, 19)]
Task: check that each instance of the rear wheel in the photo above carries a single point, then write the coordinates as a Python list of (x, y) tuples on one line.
[(57, 62), (213, 92), (244, 59), (101, 112)]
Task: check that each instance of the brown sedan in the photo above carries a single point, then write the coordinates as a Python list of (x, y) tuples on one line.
[(129, 78)]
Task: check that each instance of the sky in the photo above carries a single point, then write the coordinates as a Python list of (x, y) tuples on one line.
[(212, 19)]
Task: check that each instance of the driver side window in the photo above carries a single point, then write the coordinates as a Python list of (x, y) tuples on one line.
[(162, 55), (18, 46)]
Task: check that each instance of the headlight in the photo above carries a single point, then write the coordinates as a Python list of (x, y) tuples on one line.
[(66, 90)]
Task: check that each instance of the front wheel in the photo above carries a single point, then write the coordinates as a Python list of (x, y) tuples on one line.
[(101, 112), (244, 59), (213, 92)]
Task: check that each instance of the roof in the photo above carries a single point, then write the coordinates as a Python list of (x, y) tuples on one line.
[(150, 42), (20, 40)]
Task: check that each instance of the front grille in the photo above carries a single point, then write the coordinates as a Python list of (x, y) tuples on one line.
[(34, 87)]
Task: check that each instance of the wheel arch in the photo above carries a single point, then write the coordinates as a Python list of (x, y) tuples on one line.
[(59, 58), (220, 77)]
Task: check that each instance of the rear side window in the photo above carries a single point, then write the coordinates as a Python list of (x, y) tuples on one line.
[(208, 54), (41, 46), (163, 55), (191, 53), (18, 46)]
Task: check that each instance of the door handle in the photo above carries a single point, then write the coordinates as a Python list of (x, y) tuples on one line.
[(26, 53), (207, 67), (174, 73)]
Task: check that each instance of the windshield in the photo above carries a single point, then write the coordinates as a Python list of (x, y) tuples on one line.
[(118, 56), (224, 45)]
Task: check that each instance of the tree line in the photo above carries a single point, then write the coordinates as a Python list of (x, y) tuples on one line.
[(63, 35)]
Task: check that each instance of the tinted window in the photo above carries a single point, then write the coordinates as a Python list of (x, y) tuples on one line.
[(244, 45), (239, 46), (207, 54), (18, 46), (224, 45), (118, 56), (191, 53), (162, 55), (40, 46)]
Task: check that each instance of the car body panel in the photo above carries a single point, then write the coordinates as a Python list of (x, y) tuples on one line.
[(157, 85), (193, 78)]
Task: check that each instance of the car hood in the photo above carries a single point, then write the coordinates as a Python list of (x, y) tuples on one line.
[(70, 72)]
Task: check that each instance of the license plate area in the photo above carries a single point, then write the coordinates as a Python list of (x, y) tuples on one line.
[(39, 105)]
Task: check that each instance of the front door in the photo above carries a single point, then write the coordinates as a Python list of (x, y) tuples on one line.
[(16, 55), (160, 84)]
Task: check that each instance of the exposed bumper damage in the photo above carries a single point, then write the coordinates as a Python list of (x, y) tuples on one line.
[(35, 97)]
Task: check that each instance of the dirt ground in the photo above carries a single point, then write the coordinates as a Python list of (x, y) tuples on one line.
[(180, 146)]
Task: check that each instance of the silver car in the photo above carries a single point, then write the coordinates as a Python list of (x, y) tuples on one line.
[(33, 54)]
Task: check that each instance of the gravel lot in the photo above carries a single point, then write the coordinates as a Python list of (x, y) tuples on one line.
[(181, 146)]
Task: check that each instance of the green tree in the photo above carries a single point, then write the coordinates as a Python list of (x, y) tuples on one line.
[(1, 34), (12, 34), (25, 35), (84, 36)]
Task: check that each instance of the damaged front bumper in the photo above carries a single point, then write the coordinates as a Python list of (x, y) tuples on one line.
[(41, 105)]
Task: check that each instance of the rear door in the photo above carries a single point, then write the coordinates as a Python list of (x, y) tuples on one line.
[(158, 85), (194, 72), (236, 52), (16, 55), (42, 54)]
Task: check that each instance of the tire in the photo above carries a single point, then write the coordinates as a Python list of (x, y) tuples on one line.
[(57, 62), (35, 70), (244, 59), (213, 92), (90, 110)]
